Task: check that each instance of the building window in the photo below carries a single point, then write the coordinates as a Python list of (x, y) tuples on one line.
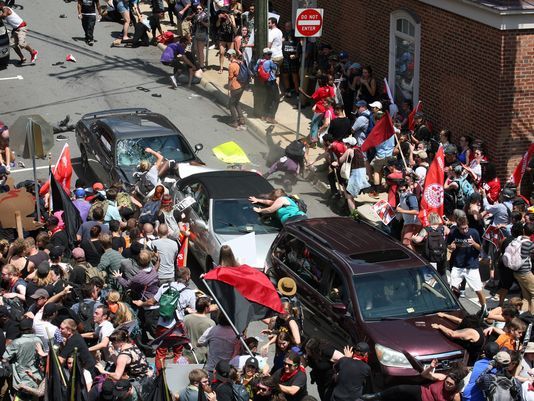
[(404, 54)]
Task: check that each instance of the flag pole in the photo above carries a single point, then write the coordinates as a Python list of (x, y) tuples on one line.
[(73, 375), (238, 334), (400, 151)]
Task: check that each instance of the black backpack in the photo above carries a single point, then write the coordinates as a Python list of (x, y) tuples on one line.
[(86, 324), (435, 245), (498, 387), (295, 151), (303, 207), (143, 186)]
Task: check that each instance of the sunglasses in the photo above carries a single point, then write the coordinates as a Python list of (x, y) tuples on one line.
[(290, 364), (260, 388)]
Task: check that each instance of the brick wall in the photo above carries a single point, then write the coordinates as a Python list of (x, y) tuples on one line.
[(474, 79)]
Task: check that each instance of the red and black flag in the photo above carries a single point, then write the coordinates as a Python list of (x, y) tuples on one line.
[(245, 293), (61, 201)]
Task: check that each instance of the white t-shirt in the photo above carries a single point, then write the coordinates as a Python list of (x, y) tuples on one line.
[(104, 330), (276, 38), (187, 300), (43, 329)]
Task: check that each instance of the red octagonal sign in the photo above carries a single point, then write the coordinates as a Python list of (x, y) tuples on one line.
[(309, 22)]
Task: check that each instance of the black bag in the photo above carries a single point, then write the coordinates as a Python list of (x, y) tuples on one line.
[(295, 151), (435, 246), (86, 324), (143, 186), (15, 307), (303, 207)]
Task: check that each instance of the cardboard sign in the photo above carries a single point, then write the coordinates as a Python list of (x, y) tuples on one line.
[(21, 201), (384, 211), (185, 203)]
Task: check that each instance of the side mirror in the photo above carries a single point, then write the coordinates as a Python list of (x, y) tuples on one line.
[(339, 308), (198, 147)]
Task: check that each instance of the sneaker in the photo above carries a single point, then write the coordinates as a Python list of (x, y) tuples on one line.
[(90, 42), (174, 83), (242, 128), (35, 53)]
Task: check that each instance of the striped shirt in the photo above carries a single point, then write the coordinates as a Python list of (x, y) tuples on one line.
[(144, 284), (110, 261), (527, 250)]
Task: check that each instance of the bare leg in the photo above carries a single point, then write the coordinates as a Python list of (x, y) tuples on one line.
[(222, 51), (19, 53), (200, 53), (350, 201), (285, 81), (296, 81), (126, 25), (481, 297)]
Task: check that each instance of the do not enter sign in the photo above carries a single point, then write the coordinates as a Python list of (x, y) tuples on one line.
[(309, 22)]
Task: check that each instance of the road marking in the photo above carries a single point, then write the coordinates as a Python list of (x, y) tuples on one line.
[(23, 170), (8, 78)]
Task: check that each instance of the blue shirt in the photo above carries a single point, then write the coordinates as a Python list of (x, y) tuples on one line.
[(171, 51), (385, 149), (471, 391), (464, 256)]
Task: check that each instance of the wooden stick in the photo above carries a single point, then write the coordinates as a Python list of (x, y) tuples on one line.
[(18, 221), (400, 151)]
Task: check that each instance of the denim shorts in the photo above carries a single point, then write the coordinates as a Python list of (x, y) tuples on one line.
[(121, 8)]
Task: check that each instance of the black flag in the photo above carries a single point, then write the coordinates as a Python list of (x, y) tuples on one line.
[(71, 216), (160, 391), (77, 387), (56, 385)]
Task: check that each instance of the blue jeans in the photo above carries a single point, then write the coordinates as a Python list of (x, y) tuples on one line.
[(315, 124)]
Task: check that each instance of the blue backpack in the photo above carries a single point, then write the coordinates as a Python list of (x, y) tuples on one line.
[(245, 75), (149, 212), (371, 124)]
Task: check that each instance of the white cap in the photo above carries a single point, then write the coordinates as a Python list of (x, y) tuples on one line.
[(350, 141), (376, 104)]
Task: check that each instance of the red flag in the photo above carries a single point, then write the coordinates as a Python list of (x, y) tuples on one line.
[(62, 172), (517, 176), (411, 116), (382, 131), (432, 199), (181, 259)]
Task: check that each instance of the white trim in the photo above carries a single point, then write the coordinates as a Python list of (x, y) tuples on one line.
[(502, 20), (394, 16)]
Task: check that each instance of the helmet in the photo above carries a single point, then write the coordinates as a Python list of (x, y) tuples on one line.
[(343, 55)]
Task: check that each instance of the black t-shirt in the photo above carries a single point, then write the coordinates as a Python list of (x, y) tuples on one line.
[(77, 341), (93, 251), (60, 238), (38, 258), (89, 6), (298, 380), (322, 370), (422, 133), (351, 377), (339, 128), (224, 391), (405, 149)]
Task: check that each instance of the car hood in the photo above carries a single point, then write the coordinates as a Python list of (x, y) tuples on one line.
[(184, 170), (400, 334), (263, 244)]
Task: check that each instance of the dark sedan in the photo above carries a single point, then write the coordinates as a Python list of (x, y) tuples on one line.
[(4, 46), (112, 143)]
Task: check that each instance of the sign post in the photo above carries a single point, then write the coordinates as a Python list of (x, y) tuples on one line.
[(308, 24)]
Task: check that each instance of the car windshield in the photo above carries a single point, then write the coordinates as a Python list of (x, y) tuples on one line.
[(402, 294), (131, 151), (236, 216)]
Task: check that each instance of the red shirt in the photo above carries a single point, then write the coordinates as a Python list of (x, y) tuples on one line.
[(436, 392), (393, 185), (323, 92), (338, 148), (493, 188)]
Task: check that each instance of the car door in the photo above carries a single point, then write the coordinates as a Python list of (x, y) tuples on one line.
[(294, 258), (339, 306), (101, 154)]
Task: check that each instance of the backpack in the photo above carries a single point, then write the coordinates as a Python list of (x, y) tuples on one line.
[(303, 207), (435, 246), (15, 308), (262, 74), (465, 190), (86, 323), (497, 387), (98, 203), (295, 151), (239, 392), (123, 200), (371, 124), (168, 302), (93, 271), (512, 255), (143, 185), (244, 75), (149, 212)]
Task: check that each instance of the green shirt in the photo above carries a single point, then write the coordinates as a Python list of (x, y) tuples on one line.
[(23, 356)]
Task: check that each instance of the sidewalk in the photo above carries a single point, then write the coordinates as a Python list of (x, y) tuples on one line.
[(214, 86)]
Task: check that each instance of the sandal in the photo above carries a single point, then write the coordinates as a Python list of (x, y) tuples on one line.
[(142, 89)]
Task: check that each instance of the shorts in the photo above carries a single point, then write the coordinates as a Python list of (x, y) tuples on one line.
[(472, 277), (201, 37), (19, 37), (378, 164), (121, 8)]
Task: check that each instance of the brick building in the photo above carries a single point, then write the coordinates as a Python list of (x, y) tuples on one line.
[(471, 62)]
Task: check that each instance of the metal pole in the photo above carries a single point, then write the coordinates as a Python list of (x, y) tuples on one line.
[(29, 130), (302, 71), (238, 334), (206, 63)]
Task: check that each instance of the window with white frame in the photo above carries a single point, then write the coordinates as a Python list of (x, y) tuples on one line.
[(404, 54)]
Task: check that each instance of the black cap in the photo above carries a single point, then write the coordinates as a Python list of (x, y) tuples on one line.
[(50, 309), (43, 269), (222, 370), (252, 362), (26, 324), (363, 347), (56, 252)]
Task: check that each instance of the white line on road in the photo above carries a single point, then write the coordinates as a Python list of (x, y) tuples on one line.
[(7, 78), (23, 170)]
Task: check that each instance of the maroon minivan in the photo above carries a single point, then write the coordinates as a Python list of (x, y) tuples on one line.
[(358, 284)]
